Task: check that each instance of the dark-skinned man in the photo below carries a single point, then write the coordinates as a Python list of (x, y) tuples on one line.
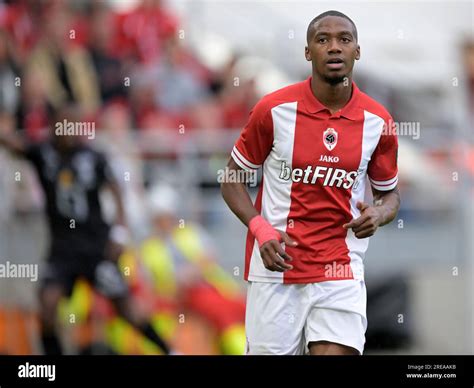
[(319, 143)]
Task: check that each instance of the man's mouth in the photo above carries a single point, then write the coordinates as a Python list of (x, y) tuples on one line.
[(335, 63)]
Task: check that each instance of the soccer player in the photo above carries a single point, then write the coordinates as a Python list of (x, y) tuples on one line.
[(82, 243), (318, 141)]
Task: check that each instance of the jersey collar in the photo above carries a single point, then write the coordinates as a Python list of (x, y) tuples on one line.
[(313, 105)]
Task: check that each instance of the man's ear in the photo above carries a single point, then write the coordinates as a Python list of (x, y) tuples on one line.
[(357, 57), (307, 54)]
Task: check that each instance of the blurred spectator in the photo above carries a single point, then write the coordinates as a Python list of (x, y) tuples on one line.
[(177, 83), (124, 157), (35, 112), (9, 84), (108, 67), (144, 31), (468, 57), (237, 95), (20, 194), (178, 86), (84, 52), (181, 259), (65, 67), (23, 21)]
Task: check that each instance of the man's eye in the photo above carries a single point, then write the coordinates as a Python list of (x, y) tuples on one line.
[(346, 40), (322, 40)]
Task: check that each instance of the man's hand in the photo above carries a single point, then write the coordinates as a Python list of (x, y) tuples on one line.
[(269, 240), (274, 256), (371, 217)]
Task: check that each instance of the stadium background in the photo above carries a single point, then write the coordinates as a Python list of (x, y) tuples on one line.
[(169, 84)]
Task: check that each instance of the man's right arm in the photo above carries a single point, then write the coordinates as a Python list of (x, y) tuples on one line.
[(236, 196)]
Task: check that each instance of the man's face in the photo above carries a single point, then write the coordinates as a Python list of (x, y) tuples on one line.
[(332, 48)]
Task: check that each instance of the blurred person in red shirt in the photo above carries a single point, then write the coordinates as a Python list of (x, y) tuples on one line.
[(23, 21), (144, 30)]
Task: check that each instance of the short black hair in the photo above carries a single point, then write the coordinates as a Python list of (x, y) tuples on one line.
[(329, 13)]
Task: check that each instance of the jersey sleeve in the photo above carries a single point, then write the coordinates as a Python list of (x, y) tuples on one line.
[(256, 139), (383, 169)]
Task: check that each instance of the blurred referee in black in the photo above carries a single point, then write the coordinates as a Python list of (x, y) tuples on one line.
[(82, 244)]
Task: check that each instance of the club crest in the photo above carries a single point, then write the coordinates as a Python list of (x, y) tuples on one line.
[(330, 138)]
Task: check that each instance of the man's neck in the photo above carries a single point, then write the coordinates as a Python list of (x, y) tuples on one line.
[(333, 97)]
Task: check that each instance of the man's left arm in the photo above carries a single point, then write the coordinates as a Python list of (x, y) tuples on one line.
[(387, 203), (383, 176)]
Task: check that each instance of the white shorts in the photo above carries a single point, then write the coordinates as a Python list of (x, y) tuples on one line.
[(284, 318)]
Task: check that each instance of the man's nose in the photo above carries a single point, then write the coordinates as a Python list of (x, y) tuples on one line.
[(334, 46)]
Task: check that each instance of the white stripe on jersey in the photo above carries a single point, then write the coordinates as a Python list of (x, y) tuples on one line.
[(384, 185), (276, 194), (241, 161)]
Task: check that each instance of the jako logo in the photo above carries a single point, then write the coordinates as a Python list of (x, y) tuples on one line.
[(37, 371), (327, 176), (329, 158)]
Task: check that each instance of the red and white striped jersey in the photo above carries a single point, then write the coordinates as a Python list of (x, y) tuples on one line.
[(315, 168)]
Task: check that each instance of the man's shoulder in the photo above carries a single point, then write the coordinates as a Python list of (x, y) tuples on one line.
[(287, 94)]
